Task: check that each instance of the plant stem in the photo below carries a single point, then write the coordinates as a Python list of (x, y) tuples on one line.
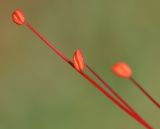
[(48, 43), (115, 93), (144, 92), (102, 90)]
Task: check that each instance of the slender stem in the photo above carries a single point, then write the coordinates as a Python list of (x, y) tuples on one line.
[(48, 43), (115, 93), (102, 90), (86, 76), (145, 92)]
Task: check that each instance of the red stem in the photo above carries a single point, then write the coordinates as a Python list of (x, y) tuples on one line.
[(48, 43), (86, 76), (145, 92), (114, 93), (102, 90)]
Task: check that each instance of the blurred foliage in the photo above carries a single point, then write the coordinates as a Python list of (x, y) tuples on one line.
[(39, 91)]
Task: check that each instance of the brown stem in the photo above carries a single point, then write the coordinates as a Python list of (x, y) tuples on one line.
[(144, 92)]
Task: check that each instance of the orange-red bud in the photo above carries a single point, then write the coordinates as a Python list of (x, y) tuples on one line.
[(122, 69), (18, 17), (78, 60)]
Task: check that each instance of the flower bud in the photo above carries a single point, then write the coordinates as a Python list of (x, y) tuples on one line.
[(122, 69), (18, 17), (78, 61)]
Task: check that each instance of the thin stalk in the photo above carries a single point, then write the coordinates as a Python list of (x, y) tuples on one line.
[(114, 93), (144, 92), (102, 90)]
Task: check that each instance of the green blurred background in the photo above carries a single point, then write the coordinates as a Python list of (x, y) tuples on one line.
[(39, 91)]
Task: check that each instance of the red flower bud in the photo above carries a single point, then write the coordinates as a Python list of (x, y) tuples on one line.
[(122, 69), (18, 17), (78, 61)]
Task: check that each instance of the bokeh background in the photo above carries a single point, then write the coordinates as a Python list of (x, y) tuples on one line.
[(39, 91)]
